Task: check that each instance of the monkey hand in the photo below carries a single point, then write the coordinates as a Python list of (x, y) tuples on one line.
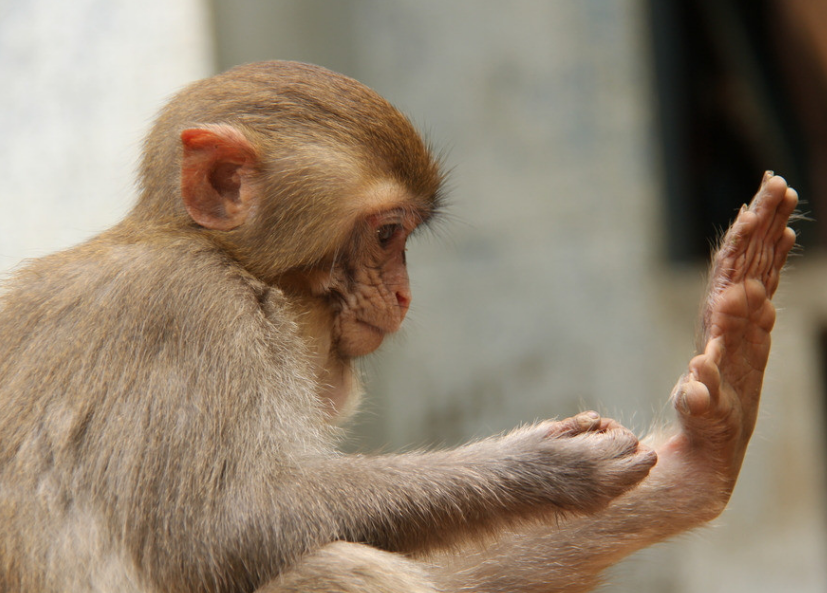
[(717, 400), (586, 461)]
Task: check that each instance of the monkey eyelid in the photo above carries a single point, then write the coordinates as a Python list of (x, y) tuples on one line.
[(403, 217)]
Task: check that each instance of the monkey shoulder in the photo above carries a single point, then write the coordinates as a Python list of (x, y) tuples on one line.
[(164, 302), (166, 332)]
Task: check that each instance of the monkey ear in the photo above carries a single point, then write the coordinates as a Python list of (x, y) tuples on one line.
[(216, 171)]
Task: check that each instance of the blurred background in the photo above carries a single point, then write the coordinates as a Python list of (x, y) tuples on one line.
[(597, 147)]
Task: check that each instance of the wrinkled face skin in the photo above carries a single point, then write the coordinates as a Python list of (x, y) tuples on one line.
[(358, 293), (369, 291), (349, 300)]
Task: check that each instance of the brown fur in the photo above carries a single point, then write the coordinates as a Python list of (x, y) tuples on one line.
[(166, 388)]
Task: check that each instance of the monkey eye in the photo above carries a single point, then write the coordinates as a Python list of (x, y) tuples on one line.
[(387, 232)]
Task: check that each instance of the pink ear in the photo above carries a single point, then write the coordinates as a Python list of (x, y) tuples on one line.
[(216, 176)]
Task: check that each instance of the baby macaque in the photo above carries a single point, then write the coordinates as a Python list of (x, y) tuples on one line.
[(168, 388)]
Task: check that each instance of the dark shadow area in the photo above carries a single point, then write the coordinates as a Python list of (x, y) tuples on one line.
[(741, 88)]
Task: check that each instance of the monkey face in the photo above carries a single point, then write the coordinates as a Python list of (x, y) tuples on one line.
[(373, 296)]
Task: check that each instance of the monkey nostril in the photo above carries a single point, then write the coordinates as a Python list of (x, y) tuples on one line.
[(403, 297)]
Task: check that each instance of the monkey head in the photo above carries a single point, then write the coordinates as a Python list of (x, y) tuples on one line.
[(309, 179)]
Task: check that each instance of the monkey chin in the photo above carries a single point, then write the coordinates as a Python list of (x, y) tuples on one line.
[(360, 338)]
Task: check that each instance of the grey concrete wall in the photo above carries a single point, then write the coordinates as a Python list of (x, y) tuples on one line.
[(81, 81)]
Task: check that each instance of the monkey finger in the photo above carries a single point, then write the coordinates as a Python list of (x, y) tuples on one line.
[(785, 245), (734, 241), (789, 203), (692, 398), (770, 194), (782, 215), (753, 251), (762, 216), (736, 247), (582, 422), (714, 351), (646, 455), (586, 421), (773, 206), (702, 369), (630, 438), (698, 391)]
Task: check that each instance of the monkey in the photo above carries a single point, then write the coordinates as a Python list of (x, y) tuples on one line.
[(171, 390)]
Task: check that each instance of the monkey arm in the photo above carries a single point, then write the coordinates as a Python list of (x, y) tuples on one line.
[(421, 501), (699, 460), (570, 555)]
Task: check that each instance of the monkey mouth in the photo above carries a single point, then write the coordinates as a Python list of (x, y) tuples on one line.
[(380, 329)]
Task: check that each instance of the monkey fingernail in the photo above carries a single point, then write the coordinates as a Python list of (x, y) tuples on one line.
[(587, 420), (682, 404)]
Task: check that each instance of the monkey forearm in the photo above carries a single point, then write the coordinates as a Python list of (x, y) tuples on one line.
[(426, 502), (422, 501), (569, 555), (419, 501)]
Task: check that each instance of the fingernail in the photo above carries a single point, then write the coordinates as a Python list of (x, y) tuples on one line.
[(681, 403)]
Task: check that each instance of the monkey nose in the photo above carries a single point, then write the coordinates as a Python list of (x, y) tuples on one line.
[(403, 299)]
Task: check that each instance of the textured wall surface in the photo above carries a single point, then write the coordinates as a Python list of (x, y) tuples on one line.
[(81, 81)]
